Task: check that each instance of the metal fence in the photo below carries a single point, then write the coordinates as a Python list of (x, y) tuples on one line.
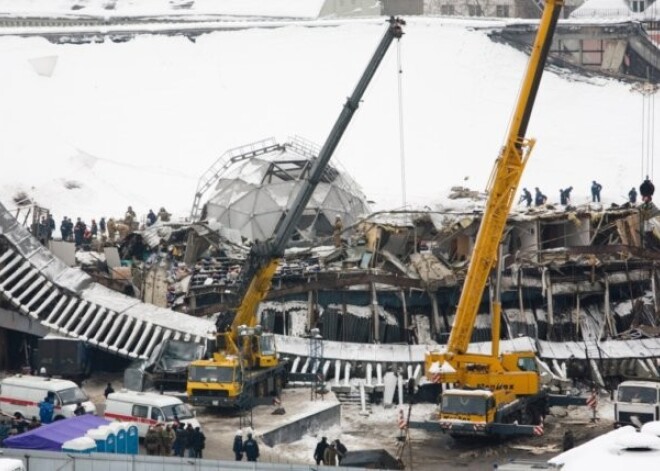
[(60, 461)]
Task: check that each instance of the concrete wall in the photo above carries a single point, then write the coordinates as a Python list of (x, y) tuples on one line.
[(313, 423)]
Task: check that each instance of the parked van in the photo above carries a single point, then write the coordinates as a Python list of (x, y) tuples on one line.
[(147, 409), (23, 394), (637, 402)]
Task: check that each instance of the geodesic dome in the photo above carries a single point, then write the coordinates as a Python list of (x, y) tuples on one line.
[(256, 188)]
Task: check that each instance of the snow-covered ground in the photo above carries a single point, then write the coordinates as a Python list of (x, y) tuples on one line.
[(138, 122)]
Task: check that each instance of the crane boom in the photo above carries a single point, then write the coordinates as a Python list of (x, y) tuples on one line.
[(264, 256), (245, 363), (503, 185)]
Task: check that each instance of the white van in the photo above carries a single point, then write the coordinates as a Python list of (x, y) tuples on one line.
[(145, 409), (23, 393), (637, 402)]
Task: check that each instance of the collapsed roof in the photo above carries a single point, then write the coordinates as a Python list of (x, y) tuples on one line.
[(255, 189)]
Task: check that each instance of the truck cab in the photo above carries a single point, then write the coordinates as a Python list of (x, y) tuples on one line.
[(466, 412), (637, 402)]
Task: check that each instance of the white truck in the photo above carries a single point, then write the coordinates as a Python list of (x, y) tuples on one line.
[(637, 402), (146, 409), (23, 393)]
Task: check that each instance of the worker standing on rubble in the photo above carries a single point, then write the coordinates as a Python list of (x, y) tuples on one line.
[(539, 198), (337, 230), (632, 196), (526, 196), (595, 191), (565, 195), (646, 189), (163, 215)]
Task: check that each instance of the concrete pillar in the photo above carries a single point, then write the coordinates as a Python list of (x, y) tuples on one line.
[(347, 373), (305, 365), (435, 325), (548, 294), (326, 367), (337, 371), (295, 364), (311, 317), (399, 386), (363, 400), (375, 310), (369, 374), (418, 372), (404, 306), (409, 370), (379, 374)]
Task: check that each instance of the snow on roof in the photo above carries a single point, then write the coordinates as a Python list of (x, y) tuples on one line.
[(602, 9), (612, 451), (258, 8)]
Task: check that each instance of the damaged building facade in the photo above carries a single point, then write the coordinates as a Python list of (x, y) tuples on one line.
[(578, 283)]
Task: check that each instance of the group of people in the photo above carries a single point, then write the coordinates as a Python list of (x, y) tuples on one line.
[(646, 189), (109, 229), (80, 233), (178, 440), (249, 447), (330, 454), (17, 425)]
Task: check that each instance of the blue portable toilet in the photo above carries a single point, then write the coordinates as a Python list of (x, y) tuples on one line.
[(100, 437), (110, 440), (79, 445), (132, 439), (119, 428)]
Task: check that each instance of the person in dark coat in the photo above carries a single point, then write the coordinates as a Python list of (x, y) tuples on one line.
[(341, 450), (595, 191), (320, 450), (568, 441), (79, 410), (102, 225), (565, 195), (179, 445), (632, 195), (151, 218), (539, 198), (646, 189), (51, 225), (238, 446), (94, 229), (526, 196), (63, 229), (190, 441), (199, 442), (79, 232), (108, 390), (251, 448)]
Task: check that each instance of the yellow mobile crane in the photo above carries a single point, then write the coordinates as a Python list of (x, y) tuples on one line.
[(245, 365), (495, 394)]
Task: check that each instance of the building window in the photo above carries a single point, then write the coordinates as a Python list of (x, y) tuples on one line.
[(447, 10), (638, 6), (475, 10), (592, 52), (140, 411), (502, 11)]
